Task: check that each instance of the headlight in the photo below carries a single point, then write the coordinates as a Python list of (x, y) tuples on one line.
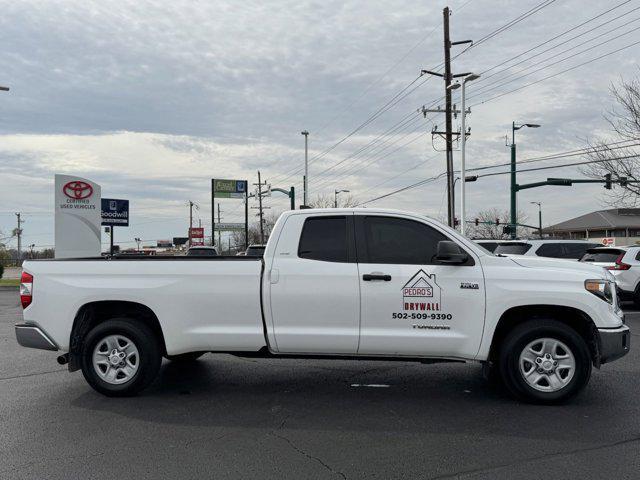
[(601, 288)]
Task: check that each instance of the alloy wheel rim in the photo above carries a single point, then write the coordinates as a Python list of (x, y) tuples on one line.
[(116, 359), (547, 364)]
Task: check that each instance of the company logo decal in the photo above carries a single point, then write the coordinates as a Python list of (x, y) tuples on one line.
[(77, 190), (422, 293)]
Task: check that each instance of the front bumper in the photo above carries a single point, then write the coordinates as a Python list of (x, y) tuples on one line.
[(32, 336), (613, 343)]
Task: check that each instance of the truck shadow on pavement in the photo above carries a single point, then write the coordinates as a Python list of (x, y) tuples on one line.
[(223, 391)]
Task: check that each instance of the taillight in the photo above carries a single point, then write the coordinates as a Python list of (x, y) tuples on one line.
[(26, 289), (619, 264)]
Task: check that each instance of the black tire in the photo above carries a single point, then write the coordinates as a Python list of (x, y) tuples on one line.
[(185, 357), (147, 344), (529, 331)]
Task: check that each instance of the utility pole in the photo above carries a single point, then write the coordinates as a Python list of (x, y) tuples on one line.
[(305, 196), (219, 231), (448, 122), (19, 234), (448, 111)]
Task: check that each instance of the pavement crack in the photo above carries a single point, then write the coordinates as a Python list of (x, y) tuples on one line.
[(309, 456), (490, 468)]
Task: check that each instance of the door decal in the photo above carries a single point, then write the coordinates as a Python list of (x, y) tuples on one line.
[(422, 293)]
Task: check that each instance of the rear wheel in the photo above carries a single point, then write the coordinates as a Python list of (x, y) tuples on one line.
[(544, 361), (120, 357), (185, 357)]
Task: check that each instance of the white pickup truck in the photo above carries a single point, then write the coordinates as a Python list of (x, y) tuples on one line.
[(339, 283)]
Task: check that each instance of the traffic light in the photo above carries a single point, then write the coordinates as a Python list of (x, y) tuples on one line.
[(477, 222), (506, 230), (497, 221), (622, 181), (456, 222), (607, 181)]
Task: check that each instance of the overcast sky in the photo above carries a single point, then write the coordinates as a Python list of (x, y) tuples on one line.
[(153, 99)]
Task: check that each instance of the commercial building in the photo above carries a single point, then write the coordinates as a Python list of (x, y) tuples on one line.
[(616, 226)]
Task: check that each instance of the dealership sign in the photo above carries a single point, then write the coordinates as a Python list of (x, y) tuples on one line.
[(77, 217), (197, 236), (115, 212)]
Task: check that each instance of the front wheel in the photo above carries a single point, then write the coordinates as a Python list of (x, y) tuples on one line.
[(544, 361), (120, 357)]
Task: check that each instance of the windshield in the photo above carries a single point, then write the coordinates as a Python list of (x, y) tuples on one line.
[(512, 248)]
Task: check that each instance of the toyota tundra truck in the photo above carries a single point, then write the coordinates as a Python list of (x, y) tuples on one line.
[(333, 283)]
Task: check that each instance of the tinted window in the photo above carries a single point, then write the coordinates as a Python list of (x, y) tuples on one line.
[(553, 250), (324, 238), (576, 250), (400, 241), (513, 248), (202, 252), (490, 246), (604, 256), (255, 251)]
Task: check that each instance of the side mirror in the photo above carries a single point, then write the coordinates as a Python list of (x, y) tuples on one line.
[(450, 253)]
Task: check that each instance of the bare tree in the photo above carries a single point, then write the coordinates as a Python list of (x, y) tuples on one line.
[(487, 227), (328, 201), (624, 119)]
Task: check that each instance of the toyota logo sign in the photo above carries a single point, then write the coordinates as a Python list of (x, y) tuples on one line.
[(77, 190)]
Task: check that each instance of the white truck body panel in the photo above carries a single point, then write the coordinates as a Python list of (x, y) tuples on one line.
[(313, 307)]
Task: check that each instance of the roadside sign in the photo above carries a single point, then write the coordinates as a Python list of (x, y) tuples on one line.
[(226, 227), (197, 236), (115, 212), (609, 242), (77, 217), (229, 188)]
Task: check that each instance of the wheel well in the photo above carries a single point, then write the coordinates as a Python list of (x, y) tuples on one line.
[(91, 314), (572, 317)]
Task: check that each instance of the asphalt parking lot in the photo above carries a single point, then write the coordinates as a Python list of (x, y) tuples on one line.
[(232, 418)]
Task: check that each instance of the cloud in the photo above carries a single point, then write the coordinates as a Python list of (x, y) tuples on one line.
[(153, 99)]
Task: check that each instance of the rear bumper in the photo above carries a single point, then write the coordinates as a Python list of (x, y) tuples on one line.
[(31, 336), (613, 343)]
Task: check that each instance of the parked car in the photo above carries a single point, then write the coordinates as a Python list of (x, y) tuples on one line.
[(202, 252), (567, 249), (340, 283), (255, 250), (623, 263)]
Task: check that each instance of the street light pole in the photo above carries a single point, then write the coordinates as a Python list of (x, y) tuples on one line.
[(469, 78), (335, 193), (539, 217), (513, 220), (305, 193)]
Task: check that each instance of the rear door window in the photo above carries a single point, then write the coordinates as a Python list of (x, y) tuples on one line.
[(513, 248), (324, 239), (576, 250)]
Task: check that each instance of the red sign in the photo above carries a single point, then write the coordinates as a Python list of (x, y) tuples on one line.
[(77, 190), (196, 234), (608, 241)]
